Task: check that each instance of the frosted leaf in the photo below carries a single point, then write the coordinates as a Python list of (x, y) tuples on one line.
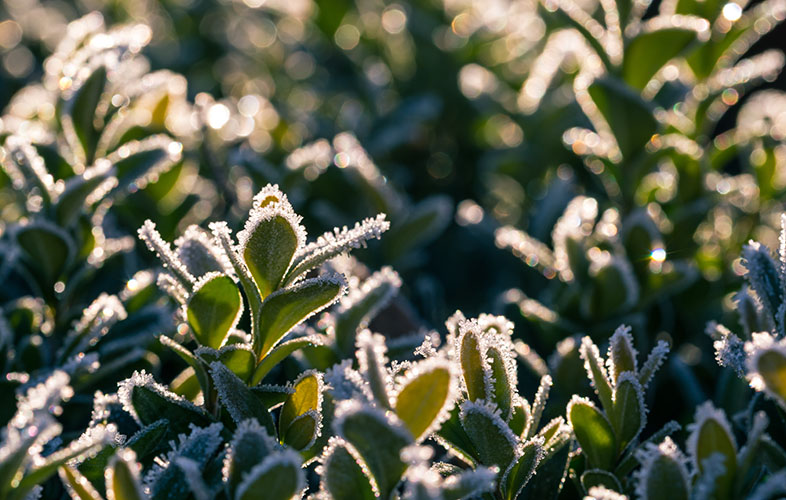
[(334, 243), (161, 248), (199, 445), (538, 405), (490, 411), (596, 371), (88, 444), (654, 361), (754, 435), (286, 457), (416, 370), (621, 352), (762, 276), (197, 250), (705, 412), (766, 65), (372, 361), (428, 348), (144, 379), (261, 213), (244, 428), (531, 251), (327, 453)]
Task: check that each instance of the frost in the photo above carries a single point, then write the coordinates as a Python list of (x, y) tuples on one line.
[(593, 362), (161, 248), (345, 383), (759, 265), (631, 378), (337, 242), (729, 349), (26, 168), (654, 361), (248, 426), (142, 379)]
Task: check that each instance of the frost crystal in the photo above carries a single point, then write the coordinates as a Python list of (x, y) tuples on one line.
[(337, 242), (197, 250), (705, 412), (155, 243), (286, 457)]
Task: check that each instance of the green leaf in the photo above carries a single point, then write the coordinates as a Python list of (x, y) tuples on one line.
[(144, 161), (239, 358), (268, 244), (492, 438), (250, 445), (630, 119), (278, 477), (77, 485), (280, 352), (302, 432), (81, 109), (649, 51), (472, 364), (285, 309), (304, 407), (550, 478), (520, 471), (593, 432), (425, 397), (628, 416), (378, 440), (213, 309), (520, 418), (47, 250), (122, 478), (343, 477), (238, 399), (272, 395)]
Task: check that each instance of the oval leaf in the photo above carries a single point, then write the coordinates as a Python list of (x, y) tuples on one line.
[(213, 309)]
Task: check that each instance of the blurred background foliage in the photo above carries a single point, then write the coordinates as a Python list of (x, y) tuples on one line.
[(625, 183)]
